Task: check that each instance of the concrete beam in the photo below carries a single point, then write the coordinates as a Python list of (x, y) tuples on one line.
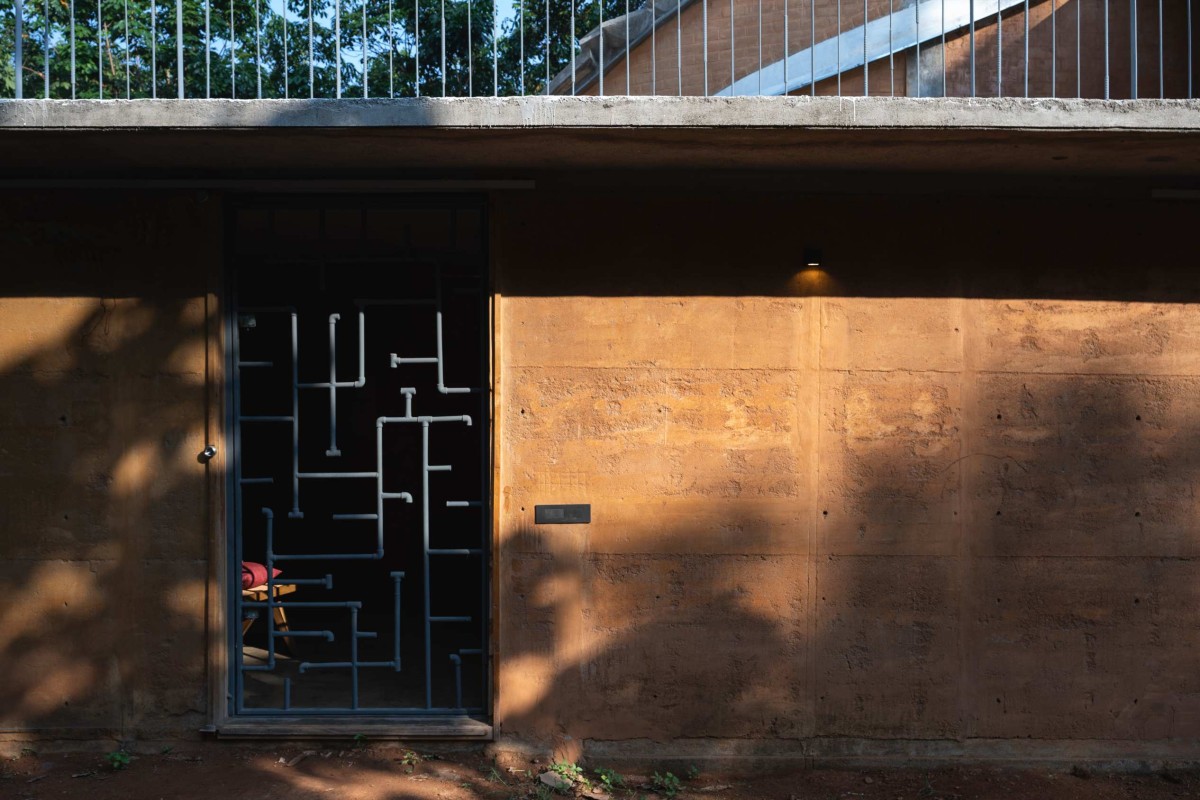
[(508, 113)]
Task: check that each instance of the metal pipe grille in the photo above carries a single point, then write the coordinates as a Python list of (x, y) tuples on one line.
[(334, 439)]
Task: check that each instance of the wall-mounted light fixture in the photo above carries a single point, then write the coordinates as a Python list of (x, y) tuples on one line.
[(812, 256)]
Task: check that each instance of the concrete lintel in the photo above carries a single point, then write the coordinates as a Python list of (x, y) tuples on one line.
[(830, 113)]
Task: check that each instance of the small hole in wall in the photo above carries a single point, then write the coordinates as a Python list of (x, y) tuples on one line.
[(522, 508), (1137, 513), (522, 411), (1138, 417), (825, 513), (63, 419), (997, 513), (999, 416), (1135, 701), (66, 516), (997, 600), (1137, 600), (997, 699)]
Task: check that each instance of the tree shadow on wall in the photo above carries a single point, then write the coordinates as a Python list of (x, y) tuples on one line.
[(104, 543), (1018, 565)]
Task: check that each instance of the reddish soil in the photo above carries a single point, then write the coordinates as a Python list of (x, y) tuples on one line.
[(227, 771)]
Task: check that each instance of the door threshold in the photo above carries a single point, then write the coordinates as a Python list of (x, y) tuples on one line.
[(348, 727)]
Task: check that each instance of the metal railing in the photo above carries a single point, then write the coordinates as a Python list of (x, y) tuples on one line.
[(126, 49)]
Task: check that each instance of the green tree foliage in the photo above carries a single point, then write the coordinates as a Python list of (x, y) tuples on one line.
[(242, 49)]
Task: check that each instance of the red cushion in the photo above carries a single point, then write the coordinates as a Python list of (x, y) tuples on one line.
[(255, 574)]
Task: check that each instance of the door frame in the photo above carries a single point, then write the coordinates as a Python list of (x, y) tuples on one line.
[(220, 308)]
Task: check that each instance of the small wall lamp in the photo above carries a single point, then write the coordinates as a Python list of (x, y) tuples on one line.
[(812, 256)]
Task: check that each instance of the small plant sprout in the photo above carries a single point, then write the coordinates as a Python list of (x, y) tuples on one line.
[(667, 784), (360, 740), (693, 772), (410, 760), (610, 779), (571, 771), (118, 759)]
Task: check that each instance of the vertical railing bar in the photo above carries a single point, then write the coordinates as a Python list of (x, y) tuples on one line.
[(179, 46), (1189, 41), (72, 9), (573, 48), (1162, 86), (232, 54), (521, 25), (732, 47), (547, 48), (365, 67), (839, 45), (760, 48), (917, 14), (891, 48), (1079, 49), (812, 49), (1054, 48), (495, 51), (971, 47), (443, 23), (337, 45), (999, 51), (628, 85), (18, 53), (258, 45), (600, 31), (470, 54), (786, 17), (312, 75), (99, 51), (1107, 85), (866, 75), (286, 82), (653, 47), (679, 42), (208, 49), (1026, 48), (46, 49), (417, 46), (945, 86), (1133, 50), (392, 51), (704, 33)]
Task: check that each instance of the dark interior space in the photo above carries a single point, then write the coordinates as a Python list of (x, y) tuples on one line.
[(397, 262)]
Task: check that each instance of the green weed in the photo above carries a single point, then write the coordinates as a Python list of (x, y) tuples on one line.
[(667, 784)]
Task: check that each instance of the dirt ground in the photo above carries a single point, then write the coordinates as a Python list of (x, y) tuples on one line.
[(301, 772)]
